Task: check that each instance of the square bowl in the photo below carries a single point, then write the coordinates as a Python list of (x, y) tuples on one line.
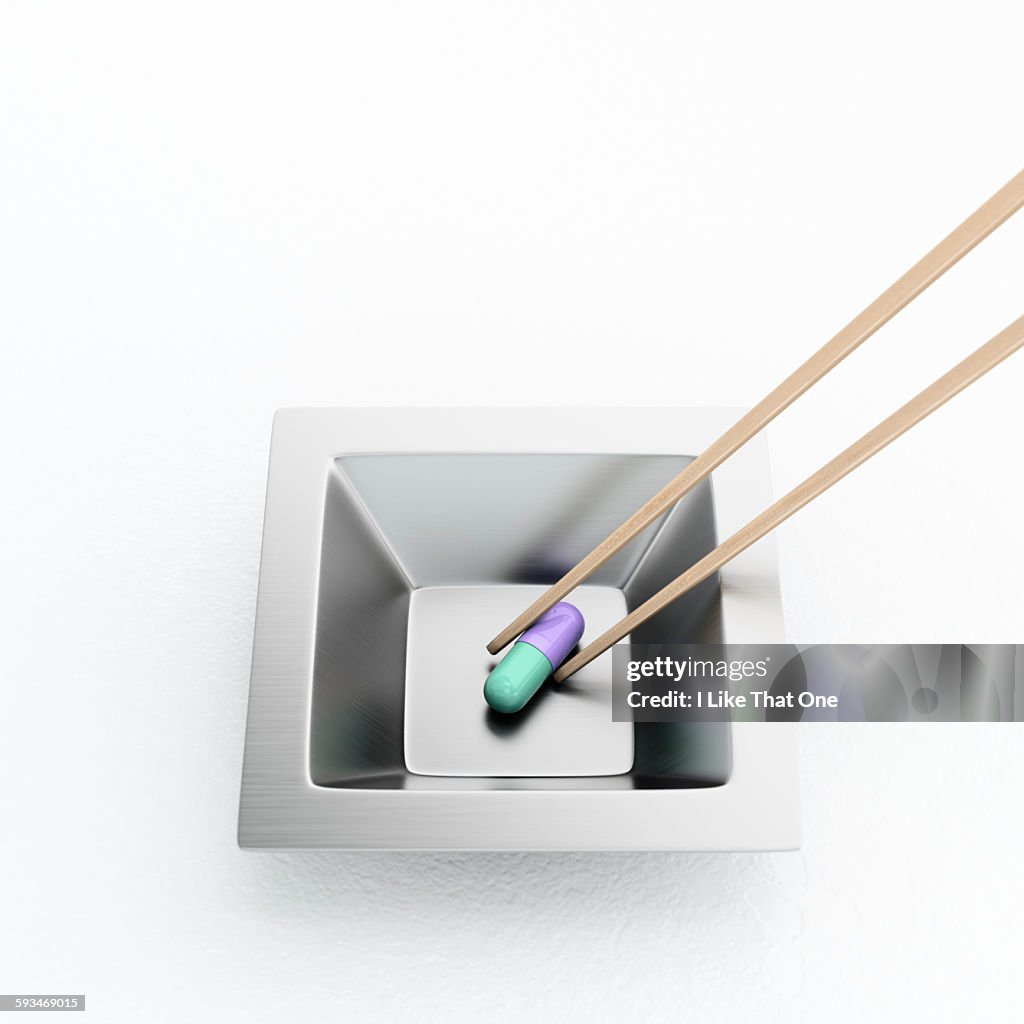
[(398, 541)]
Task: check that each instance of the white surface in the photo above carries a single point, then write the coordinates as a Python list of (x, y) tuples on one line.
[(569, 733), (211, 211)]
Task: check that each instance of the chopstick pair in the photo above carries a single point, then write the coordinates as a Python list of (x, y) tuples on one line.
[(925, 272)]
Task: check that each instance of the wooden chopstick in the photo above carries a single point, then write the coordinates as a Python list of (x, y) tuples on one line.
[(930, 268), (974, 366)]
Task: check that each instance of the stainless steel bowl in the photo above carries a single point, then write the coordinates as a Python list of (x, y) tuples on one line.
[(397, 542)]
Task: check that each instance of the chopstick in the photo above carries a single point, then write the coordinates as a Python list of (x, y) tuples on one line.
[(978, 226), (935, 395)]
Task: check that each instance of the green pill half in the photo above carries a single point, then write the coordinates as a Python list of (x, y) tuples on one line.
[(516, 678)]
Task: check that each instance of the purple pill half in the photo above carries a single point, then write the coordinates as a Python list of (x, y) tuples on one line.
[(556, 632)]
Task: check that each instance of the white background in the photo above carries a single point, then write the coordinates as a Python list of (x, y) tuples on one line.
[(211, 211)]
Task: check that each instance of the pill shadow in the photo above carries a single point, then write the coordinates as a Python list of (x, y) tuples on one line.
[(505, 726)]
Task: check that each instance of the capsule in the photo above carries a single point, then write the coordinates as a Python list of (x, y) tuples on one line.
[(533, 657)]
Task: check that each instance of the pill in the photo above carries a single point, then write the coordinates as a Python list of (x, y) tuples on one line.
[(533, 657)]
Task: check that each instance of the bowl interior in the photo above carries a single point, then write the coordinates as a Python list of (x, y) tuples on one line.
[(425, 556)]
